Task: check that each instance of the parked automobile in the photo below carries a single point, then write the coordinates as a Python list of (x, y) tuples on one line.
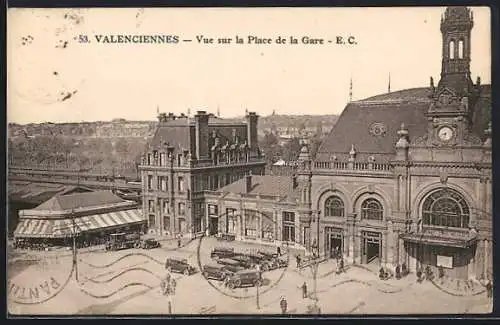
[(244, 278), (150, 243), (179, 266), (230, 264), (281, 262), (222, 252), (244, 261), (216, 272), (119, 241), (268, 255), (264, 263)]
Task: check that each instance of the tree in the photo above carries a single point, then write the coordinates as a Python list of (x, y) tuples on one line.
[(315, 144), (271, 147), (291, 149)]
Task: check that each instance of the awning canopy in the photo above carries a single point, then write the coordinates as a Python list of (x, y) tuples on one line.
[(59, 228), (450, 241)]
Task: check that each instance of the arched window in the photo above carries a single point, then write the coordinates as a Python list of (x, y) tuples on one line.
[(447, 208), (451, 49), (461, 49), (334, 207), (372, 209)]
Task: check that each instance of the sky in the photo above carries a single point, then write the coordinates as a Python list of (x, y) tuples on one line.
[(54, 78)]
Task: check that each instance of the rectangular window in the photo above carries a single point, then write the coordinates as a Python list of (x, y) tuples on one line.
[(163, 160), (162, 183), (150, 159), (166, 223), (151, 206), (180, 184), (216, 182), (267, 226), (151, 221), (182, 208), (150, 183), (166, 207), (288, 227), (205, 183), (213, 209), (251, 220), (231, 220)]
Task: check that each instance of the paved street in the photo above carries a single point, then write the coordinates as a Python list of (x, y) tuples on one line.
[(127, 282)]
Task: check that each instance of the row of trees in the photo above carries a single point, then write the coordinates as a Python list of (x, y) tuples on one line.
[(290, 151), (119, 155)]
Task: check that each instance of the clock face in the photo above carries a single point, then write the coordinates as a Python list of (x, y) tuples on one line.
[(445, 133)]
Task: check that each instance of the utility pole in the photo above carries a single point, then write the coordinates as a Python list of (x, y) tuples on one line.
[(75, 260)]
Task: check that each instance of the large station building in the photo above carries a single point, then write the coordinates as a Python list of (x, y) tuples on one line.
[(403, 177)]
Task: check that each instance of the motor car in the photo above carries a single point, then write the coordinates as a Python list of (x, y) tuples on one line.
[(150, 243), (179, 266), (244, 278), (222, 252), (216, 272), (264, 263), (119, 241), (280, 262), (230, 264), (267, 254), (244, 261)]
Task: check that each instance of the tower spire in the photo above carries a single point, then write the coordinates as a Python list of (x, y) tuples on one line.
[(350, 90), (218, 111), (389, 85)]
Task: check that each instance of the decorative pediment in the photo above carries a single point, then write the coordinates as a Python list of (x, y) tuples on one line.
[(446, 97)]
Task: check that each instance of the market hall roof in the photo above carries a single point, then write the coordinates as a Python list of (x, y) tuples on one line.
[(371, 124), (37, 193), (97, 199)]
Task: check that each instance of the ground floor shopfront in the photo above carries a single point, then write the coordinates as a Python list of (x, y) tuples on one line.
[(89, 230), (462, 258)]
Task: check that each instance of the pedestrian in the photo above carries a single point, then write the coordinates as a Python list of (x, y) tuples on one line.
[(489, 289), (298, 261), (283, 305), (278, 251), (178, 242), (341, 262), (398, 272), (304, 290), (173, 285), (404, 270)]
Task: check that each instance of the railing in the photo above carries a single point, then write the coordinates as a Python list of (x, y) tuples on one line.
[(352, 165)]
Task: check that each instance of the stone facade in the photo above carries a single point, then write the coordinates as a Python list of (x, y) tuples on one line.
[(187, 157)]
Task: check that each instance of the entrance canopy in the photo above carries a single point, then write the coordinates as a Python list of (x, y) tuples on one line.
[(59, 228), (463, 241)]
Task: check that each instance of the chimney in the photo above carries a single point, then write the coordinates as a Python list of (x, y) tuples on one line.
[(248, 179), (252, 119), (202, 137)]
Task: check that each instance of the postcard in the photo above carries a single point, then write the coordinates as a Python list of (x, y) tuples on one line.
[(249, 161)]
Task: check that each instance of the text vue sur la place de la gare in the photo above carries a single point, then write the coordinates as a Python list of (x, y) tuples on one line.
[(207, 40)]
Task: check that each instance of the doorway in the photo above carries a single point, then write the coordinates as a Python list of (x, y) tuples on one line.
[(334, 242), (213, 226), (371, 248)]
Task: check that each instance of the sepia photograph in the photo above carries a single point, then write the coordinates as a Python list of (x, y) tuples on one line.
[(249, 161)]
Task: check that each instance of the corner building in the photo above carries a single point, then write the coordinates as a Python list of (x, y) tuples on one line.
[(405, 177), (188, 156)]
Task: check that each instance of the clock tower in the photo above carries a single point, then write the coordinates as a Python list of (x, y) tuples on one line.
[(453, 100)]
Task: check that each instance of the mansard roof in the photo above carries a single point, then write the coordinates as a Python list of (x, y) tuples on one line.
[(268, 185), (371, 124)]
